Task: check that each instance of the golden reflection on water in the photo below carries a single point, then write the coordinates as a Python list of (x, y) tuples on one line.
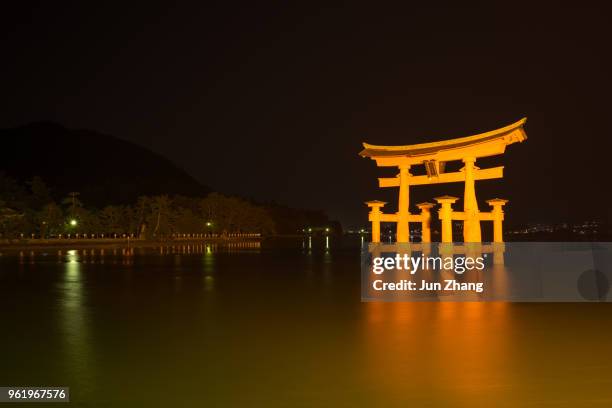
[(325, 349), (439, 352), (208, 264), (77, 340)]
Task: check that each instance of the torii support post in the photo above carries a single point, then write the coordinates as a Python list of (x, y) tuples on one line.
[(498, 218), (425, 221), (403, 205), (471, 226), (374, 217), (445, 215)]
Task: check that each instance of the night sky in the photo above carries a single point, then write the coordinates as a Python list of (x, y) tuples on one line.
[(273, 101)]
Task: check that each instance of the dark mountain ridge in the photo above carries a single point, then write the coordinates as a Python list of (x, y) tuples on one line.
[(102, 168)]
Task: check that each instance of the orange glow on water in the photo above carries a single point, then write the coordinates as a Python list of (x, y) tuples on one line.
[(462, 350)]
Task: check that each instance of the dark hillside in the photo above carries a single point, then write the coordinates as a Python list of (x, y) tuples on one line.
[(104, 169)]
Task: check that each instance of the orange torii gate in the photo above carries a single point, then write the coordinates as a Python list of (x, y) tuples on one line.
[(433, 156)]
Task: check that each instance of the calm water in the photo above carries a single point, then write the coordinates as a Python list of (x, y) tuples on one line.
[(281, 325)]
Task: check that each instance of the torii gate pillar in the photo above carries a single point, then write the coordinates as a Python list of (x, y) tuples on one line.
[(375, 218), (498, 218), (445, 213), (425, 221), (471, 227), (403, 205)]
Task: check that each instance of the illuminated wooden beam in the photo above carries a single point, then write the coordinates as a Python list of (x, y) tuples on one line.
[(388, 182), (482, 145), (486, 216), (457, 176), (458, 216), (416, 217), (388, 217), (493, 148)]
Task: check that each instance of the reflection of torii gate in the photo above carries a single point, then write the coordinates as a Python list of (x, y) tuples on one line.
[(434, 157)]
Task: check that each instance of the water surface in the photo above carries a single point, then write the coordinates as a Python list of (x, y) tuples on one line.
[(281, 324)]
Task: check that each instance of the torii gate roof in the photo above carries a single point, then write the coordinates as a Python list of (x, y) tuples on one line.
[(481, 145)]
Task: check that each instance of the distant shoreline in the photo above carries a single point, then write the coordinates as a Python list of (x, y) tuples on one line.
[(114, 242)]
